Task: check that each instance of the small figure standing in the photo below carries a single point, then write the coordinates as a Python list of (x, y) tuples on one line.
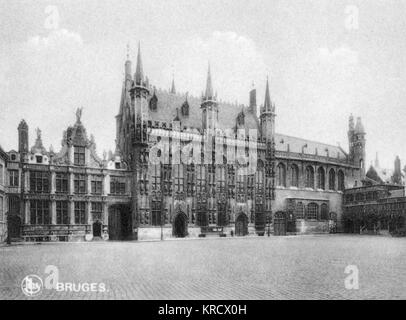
[(79, 114)]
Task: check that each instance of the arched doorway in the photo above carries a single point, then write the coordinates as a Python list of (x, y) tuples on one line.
[(333, 222), (14, 226), (180, 225), (97, 229), (291, 222), (241, 225), (120, 222), (279, 223)]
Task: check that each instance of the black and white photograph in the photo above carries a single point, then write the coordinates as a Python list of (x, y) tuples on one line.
[(195, 150)]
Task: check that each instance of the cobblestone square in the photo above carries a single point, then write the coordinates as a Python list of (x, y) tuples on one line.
[(294, 267)]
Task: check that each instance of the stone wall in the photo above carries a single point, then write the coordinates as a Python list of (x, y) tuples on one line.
[(333, 198), (3, 231)]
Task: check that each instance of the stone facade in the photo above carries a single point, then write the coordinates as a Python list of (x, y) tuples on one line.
[(378, 209), (3, 196), (183, 166)]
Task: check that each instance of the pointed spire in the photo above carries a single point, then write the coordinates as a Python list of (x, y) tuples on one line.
[(173, 90), (359, 128), (351, 122), (128, 64), (139, 74), (267, 103), (209, 86)]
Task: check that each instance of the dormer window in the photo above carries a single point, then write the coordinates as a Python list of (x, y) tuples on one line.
[(185, 109), (38, 159), (13, 157), (118, 165), (153, 103), (241, 119), (79, 156)]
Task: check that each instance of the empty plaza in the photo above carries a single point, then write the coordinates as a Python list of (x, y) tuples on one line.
[(294, 267)]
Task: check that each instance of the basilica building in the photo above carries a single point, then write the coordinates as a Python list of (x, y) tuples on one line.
[(183, 166)]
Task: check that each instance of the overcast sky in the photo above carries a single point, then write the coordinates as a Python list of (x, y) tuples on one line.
[(325, 60)]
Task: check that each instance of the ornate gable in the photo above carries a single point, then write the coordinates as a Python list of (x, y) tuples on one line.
[(76, 136)]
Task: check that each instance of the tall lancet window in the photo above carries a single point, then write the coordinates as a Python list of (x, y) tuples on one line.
[(179, 180), (294, 182), (320, 179), (341, 185), (309, 177), (331, 180), (281, 175)]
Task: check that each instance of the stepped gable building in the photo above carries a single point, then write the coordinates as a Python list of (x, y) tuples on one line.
[(243, 178)]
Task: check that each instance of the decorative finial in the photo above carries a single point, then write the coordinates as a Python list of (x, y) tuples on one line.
[(79, 114), (173, 90), (38, 131), (128, 51)]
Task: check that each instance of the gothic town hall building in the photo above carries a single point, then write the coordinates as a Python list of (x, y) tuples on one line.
[(73, 194)]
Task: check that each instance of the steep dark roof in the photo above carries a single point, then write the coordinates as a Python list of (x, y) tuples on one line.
[(3, 154), (228, 113), (373, 175), (168, 102)]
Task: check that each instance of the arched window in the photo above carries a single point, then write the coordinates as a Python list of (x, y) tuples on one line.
[(341, 185), (260, 175), (185, 109), (320, 179), (331, 180), (295, 175), (312, 211), (281, 175), (156, 212), (299, 210), (324, 212), (153, 103), (222, 214), (309, 177)]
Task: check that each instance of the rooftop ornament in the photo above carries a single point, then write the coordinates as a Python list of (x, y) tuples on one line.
[(79, 114)]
